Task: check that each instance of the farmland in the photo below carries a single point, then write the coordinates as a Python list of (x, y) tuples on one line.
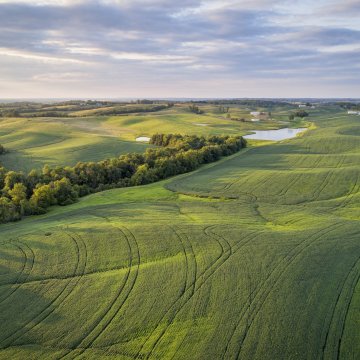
[(256, 256), (35, 141)]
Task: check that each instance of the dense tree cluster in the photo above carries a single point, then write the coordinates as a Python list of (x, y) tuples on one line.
[(10, 113), (66, 109), (256, 103), (195, 109), (120, 110), (223, 109), (2, 150), (348, 105), (33, 193), (299, 113)]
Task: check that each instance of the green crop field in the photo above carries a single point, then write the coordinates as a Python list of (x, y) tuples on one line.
[(34, 142), (256, 256)]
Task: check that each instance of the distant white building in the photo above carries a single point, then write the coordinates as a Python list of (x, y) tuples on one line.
[(302, 106), (255, 113), (352, 112), (255, 120)]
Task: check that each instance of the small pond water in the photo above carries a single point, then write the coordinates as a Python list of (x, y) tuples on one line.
[(200, 124), (143, 138), (280, 134)]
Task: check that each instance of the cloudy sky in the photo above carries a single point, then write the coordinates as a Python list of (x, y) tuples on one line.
[(187, 48)]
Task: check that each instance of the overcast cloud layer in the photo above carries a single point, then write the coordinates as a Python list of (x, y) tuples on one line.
[(166, 48)]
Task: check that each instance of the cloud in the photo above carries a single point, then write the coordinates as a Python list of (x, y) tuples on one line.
[(63, 77), (136, 44), (38, 57), (43, 2)]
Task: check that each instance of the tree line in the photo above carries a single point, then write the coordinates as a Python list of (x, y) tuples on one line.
[(33, 193), (98, 109), (299, 113), (2, 149), (195, 109)]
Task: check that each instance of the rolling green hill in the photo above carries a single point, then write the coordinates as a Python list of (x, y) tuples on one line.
[(34, 142), (256, 256)]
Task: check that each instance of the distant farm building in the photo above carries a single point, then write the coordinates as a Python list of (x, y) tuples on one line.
[(352, 112), (259, 115)]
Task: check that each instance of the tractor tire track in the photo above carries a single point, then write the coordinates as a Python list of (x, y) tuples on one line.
[(335, 330), (354, 190), (119, 300), (262, 292), (28, 264), (16, 273), (205, 276), (234, 250), (326, 181), (189, 286), (315, 237), (81, 259), (285, 190)]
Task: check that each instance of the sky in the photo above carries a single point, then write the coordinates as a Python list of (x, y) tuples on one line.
[(187, 48)]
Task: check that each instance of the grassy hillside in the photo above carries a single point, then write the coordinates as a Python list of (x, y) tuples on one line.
[(254, 257), (34, 142)]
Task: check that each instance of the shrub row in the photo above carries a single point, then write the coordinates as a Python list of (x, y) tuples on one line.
[(32, 193)]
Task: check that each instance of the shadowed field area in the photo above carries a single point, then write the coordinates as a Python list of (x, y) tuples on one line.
[(256, 256), (34, 142)]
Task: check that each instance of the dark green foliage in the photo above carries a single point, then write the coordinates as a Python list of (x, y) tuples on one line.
[(10, 113), (195, 109), (298, 114), (66, 108), (2, 150), (34, 193), (256, 103), (301, 113), (223, 109), (349, 105), (119, 110)]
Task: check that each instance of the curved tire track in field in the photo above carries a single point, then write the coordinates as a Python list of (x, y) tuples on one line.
[(326, 181), (286, 189), (264, 290), (335, 330), (250, 197), (233, 250), (226, 252), (28, 264), (119, 300), (354, 190), (200, 281), (224, 243), (59, 299), (22, 268), (17, 272), (268, 178), (189, 286)]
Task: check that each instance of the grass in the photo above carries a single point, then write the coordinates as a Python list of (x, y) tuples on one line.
[(253, 257), (34, 142)]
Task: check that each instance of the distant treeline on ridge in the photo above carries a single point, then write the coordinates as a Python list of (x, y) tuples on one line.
[(33, 193)]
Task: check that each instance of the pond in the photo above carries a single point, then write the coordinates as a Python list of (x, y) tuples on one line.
[(276, 135), (143, 138)]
